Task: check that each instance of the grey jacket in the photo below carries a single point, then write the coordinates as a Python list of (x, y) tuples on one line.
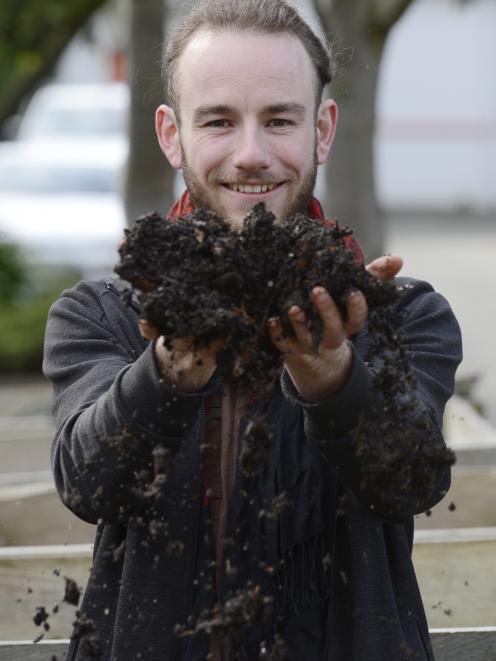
[(337, 563)]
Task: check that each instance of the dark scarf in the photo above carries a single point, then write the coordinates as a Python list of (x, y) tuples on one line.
[(289, 558)]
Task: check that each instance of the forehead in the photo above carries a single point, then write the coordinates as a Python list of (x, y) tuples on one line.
[(240, 67)]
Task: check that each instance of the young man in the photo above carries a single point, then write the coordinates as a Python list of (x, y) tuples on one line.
[(246, 123)]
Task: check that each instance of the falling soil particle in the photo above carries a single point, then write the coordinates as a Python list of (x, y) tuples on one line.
[(41, 616), (72, 592), (245, 608)]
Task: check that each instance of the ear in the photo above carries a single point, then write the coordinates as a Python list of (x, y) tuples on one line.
[(168, 135), (327, 118)]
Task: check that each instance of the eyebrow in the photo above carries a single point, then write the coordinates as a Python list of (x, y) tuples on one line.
[(282, 108), (206, 111), (202, 112)]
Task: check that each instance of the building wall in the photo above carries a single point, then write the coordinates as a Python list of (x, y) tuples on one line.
[(436, 137)]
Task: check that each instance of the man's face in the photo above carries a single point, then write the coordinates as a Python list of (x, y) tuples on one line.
[(248, 131)]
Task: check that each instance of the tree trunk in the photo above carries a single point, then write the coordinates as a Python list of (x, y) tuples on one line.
[(358, 29), (149, 178), (350, 190), (350, 173)]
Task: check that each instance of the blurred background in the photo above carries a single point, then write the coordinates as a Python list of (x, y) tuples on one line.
[(413, 170)]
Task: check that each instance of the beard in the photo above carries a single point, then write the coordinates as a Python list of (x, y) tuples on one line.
[(297, 200)]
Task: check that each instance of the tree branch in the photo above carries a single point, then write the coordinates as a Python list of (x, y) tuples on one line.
[(33, 35), (383, 14)]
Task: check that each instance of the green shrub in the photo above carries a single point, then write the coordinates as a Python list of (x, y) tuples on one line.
[(13, 275), (22, 330), (26, 293)]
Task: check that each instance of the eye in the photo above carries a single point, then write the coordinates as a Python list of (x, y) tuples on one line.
[(217, 124), (280, 123)]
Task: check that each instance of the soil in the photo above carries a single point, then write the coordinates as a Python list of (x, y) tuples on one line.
[(72, 592), (199, 278), (196, 277), (230, 619)]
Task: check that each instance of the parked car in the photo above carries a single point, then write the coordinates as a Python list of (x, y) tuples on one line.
[(59, 202), (71, 111)]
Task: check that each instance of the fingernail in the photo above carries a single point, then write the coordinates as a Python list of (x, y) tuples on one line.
[(272, 322), (319, 292), (297, 314)]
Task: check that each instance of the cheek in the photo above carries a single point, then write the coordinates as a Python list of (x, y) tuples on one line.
[(297, 157), (296, 152), (208, 155)]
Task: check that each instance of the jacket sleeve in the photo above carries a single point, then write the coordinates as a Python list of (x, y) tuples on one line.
[(110, 405), (431, 338)]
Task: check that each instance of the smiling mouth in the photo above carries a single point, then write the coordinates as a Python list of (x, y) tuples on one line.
[(252, 188)]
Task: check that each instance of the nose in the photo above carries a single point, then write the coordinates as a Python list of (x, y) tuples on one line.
[(251, 152)]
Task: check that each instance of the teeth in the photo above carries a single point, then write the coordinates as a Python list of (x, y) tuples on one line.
[(247, 188)]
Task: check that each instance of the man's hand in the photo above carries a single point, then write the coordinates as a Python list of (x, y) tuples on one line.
[(182, 367), (319, 373)]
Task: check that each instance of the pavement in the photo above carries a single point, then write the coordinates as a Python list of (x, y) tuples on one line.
[(457, 256)]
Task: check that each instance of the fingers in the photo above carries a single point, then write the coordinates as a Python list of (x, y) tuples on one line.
[(386, 267), (283, 343), (334, 332), (151, 332), (298, 321), (356, 313), (147, 330), (335, 329)]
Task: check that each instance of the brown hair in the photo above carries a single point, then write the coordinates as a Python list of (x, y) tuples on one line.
[(262, 16)]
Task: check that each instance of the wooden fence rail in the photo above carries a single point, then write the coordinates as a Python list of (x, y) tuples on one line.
[(474, 644), (455, 569)]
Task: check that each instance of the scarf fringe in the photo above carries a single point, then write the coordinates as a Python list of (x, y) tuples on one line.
[(302, 581)]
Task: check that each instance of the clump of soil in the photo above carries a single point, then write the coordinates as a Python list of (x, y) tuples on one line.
[(40, 617), (72, 592), (198, 278), (394, 441), (257, 441), (245, 608)]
